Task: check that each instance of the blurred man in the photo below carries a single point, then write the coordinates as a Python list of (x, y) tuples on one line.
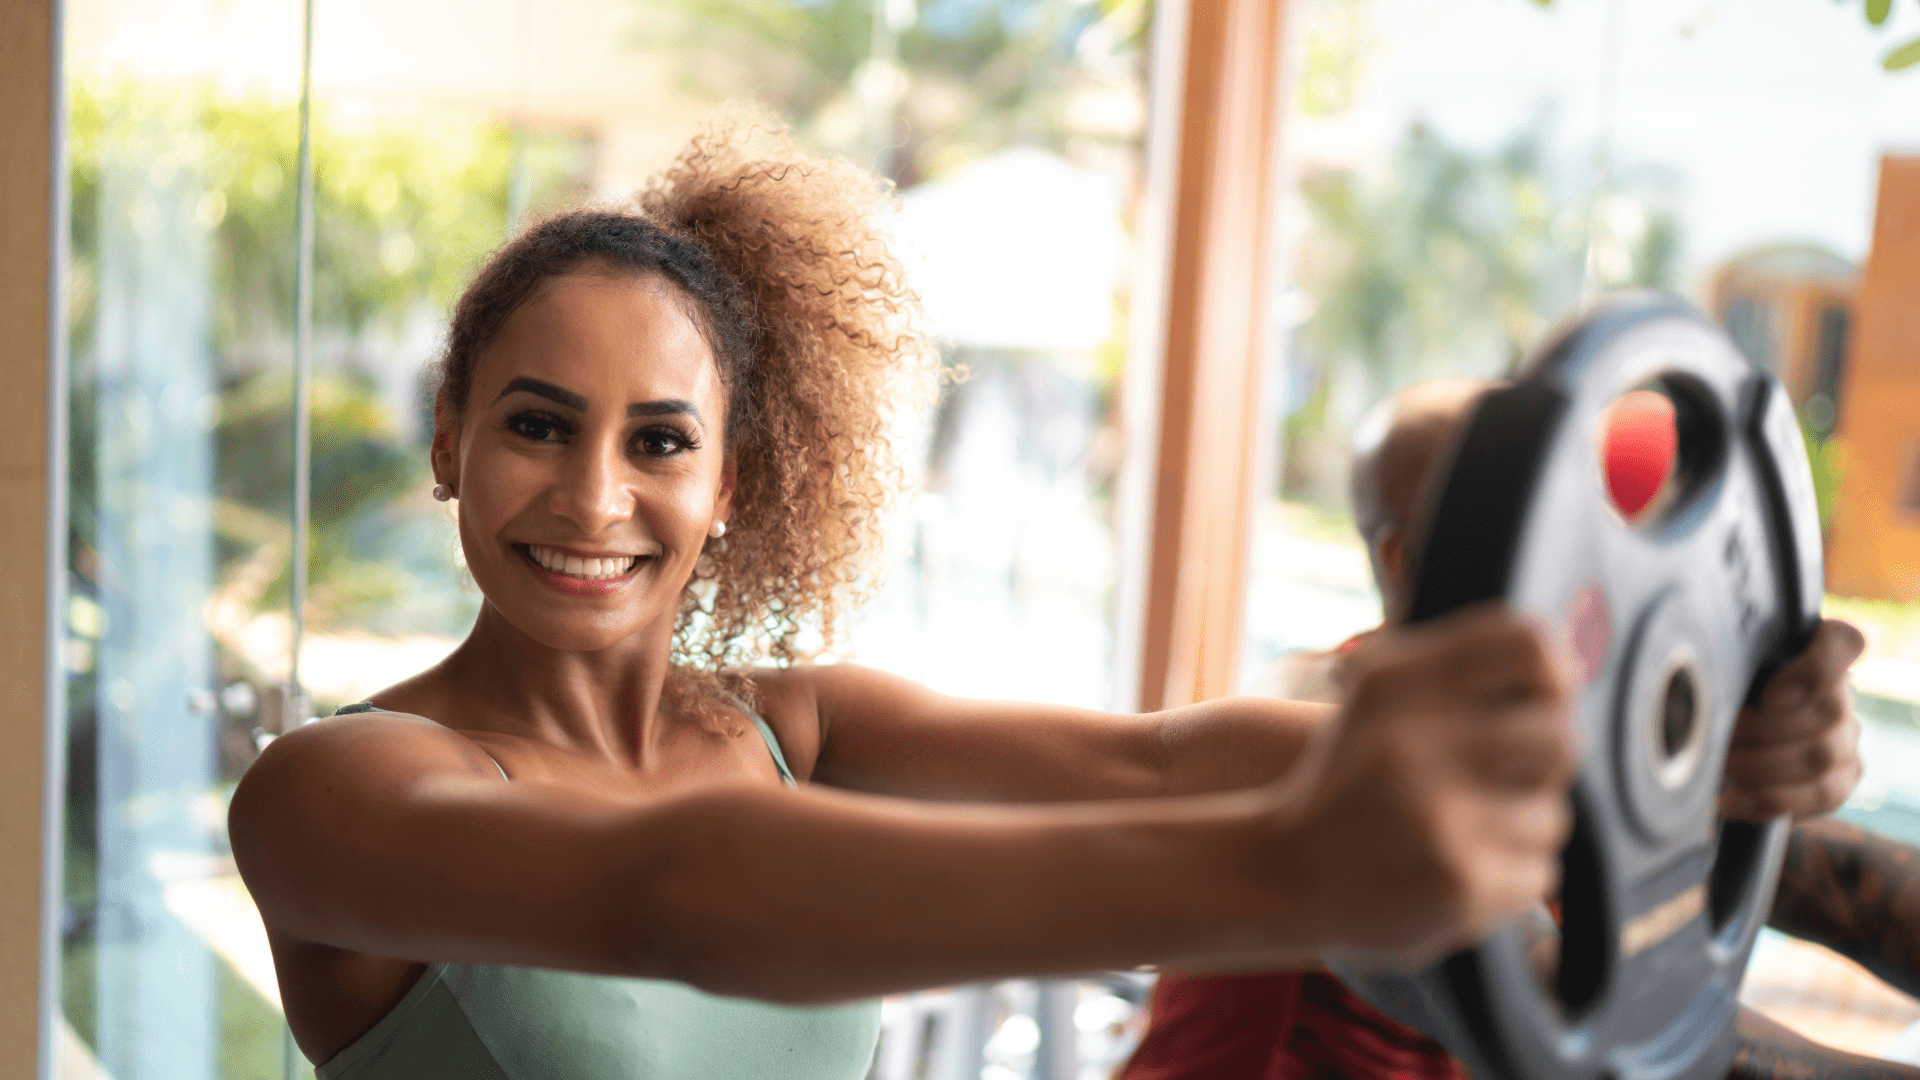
[(1306, 1025)]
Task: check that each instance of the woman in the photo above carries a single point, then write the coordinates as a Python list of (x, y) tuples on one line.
[(593, 843)]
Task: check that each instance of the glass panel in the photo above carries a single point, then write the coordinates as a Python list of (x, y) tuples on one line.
[(183, 135), (1461, 177)]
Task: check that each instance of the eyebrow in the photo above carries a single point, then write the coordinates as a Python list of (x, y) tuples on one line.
[(578, 403), (665, 407), (546, 390)]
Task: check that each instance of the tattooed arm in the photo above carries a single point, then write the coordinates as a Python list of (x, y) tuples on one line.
[(1857, 894), (1769, 1051)]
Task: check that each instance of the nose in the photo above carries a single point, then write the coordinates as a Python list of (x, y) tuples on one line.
[(593, 490)]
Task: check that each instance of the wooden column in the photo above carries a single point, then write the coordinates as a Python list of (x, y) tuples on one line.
[(1874, 546), (29, 224), (1216, 295)]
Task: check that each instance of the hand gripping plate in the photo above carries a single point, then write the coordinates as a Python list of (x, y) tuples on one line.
[(1680, 614)]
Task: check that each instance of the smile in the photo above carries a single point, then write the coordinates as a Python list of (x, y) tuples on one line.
[(583, 568)]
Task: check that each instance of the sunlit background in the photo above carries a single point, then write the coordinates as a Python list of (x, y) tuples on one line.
[(1457, 175)]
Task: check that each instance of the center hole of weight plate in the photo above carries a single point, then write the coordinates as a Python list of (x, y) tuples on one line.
[(1676, 717), (1679, 713)]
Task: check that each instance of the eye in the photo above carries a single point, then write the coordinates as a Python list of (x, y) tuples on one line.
[(662, 442), (537, 426)]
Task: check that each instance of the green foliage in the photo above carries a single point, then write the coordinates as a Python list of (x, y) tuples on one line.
[(1336, 48), (403, 214), (1876, 12), (1826, 457), (1451, 260), (978, 74)]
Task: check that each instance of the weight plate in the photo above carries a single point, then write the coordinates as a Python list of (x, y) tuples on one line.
[(1678, 614)]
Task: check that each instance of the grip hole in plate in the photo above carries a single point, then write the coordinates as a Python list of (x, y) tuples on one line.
[(1573, 961), (1736, 858), (1661, 445)]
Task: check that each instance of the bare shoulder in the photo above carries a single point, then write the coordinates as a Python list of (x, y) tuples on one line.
[(354, 756), (802, 702), (833, 689)]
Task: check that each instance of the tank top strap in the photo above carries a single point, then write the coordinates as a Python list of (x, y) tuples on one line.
[(773, 744), (759, 723), (368, 706)]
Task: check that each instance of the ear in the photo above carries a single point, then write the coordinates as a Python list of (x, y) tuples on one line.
[(445, 456), (723, 499), (1390, 569)]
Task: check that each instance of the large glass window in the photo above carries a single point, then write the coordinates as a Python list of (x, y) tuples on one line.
[(1461, 175), (1013, 131), (183, 201)]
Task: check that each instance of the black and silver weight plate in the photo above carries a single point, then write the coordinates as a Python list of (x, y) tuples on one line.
[(1678, 615)]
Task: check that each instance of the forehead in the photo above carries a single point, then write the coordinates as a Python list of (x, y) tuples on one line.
[(620, 338)]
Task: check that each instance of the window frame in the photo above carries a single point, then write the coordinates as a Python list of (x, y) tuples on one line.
[(32, 490)]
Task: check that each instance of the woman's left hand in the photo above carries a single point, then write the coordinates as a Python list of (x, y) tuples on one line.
[(1797, 751)]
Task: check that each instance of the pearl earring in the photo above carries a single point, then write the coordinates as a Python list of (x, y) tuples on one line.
[(442, 492), (717, 530)]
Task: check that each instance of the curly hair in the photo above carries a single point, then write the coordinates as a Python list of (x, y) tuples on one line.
[(820, 343)]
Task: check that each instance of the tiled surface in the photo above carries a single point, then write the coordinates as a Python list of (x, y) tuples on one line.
[(1825, 996)]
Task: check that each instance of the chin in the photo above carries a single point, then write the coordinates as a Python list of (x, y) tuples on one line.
[(575, 632), (580, 625)]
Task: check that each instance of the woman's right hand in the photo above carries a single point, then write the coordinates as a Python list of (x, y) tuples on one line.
[(1435, 805)]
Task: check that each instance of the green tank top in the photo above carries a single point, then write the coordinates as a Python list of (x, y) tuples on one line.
[(487, 1022)]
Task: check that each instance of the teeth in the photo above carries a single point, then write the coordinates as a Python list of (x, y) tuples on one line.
[(586, 569)]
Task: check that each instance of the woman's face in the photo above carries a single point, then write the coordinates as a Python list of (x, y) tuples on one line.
[(590, 460)]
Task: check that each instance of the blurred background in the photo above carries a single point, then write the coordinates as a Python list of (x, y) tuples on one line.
[(1454, 177)]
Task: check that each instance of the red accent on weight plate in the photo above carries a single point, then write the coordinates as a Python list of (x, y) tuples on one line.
[(1589, 628), (1638, 449)]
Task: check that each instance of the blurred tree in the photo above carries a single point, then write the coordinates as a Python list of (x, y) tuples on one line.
[(402, 218), (951, 79), (1449, 262), (1876, 11)]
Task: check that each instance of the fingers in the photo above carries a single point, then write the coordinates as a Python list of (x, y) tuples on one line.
[(1485, 649), (1793, 761), (1823, 663), (1517, 750), (1797, 751), (1801, 781), (1512, 864), (1483, 660), (1449, 771)]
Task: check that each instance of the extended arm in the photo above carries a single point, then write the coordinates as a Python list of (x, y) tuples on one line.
[(384, 836), (885, 735), (1857, 894), (370, 834), (1769, 1051)]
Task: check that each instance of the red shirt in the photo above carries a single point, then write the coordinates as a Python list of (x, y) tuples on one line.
[(1295, 1025)]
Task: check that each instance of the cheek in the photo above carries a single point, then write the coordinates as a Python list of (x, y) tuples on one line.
[(496, 487), (678, 509)]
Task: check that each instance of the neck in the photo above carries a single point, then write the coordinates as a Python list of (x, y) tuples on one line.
[(604, 704)]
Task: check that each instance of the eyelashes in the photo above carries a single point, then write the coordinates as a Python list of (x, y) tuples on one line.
[(654, 440), (538, 426), (664, 441)]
